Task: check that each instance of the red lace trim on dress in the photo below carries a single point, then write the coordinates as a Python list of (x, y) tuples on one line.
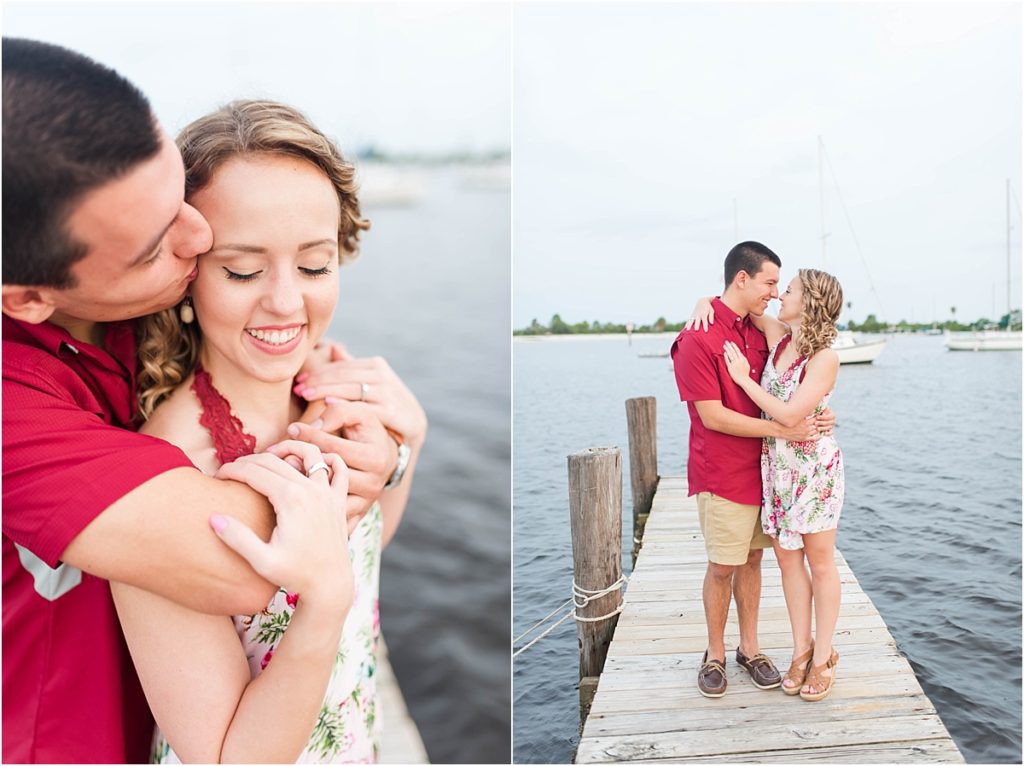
[(778, 352), (229, 436)]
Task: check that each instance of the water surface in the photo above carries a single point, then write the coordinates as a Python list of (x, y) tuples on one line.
[(931, 525), (430, 293)]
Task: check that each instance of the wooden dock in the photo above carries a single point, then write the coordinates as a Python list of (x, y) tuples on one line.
[(400, 738), (647, 707)]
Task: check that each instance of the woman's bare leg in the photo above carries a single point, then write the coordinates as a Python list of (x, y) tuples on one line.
[(820, 549), (796, 585)]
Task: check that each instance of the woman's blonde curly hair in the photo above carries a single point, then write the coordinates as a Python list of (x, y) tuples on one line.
[(168, 348), (823, 300)]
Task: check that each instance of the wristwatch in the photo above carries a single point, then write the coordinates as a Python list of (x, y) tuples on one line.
[(403, 462)]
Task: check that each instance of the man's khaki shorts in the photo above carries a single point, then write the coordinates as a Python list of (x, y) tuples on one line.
[(731, 530)]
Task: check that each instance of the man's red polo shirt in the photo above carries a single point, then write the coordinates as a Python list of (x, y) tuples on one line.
[(70, 693), (729, 466)]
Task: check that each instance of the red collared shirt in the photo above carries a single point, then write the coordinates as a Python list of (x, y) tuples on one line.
[(729, 466), (70, 693)]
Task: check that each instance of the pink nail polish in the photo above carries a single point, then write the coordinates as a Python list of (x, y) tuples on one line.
[(298, 388), (218, 522), (302, 377), (331, 400), (308, 392), (293, 430)]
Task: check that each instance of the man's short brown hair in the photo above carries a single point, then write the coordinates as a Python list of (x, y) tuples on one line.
[(70, 125)]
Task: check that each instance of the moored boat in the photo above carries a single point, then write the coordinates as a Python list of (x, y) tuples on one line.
[(857, 350), (984, 340)]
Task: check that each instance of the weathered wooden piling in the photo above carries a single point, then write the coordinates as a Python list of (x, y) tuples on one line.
[(595, 511), (641, 423)]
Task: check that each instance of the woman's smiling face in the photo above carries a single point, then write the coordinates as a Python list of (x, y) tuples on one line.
[(267, 289), (792, 302)]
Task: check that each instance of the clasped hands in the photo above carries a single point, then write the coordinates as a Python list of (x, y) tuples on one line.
[(358, 410), (813, 427)]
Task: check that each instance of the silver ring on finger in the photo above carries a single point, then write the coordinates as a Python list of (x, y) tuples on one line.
[(321, 466), (364, 389)]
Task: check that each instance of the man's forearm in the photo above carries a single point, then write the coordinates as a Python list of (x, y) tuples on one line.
[(737, 424), (158, 538), (734, 423)]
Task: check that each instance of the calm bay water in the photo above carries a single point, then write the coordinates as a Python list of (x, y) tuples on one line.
[(430, 293), (931, 525)]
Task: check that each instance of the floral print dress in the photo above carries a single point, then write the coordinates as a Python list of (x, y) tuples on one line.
[(801, 482), (348, 726)]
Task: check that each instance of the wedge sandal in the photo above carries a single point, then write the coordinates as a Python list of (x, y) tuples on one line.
[(797, 672), (822, 683)]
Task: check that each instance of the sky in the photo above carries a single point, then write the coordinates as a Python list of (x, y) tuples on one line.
[(405, 77), (650, 138)]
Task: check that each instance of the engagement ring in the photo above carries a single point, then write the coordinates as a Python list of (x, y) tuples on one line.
[(321, 466)]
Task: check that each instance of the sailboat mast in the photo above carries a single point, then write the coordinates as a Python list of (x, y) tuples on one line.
[(1008, 307), (821, 199)]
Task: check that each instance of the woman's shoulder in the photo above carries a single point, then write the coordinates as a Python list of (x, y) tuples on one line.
[(825, 356), (176, 420), (826, 359)]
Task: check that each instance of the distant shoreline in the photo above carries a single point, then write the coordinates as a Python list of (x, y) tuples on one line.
[(560, 337), (593, 336)]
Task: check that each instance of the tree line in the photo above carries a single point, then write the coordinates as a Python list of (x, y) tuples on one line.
[(558, 326)]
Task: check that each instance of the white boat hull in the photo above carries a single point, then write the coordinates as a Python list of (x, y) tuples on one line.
[(390, 185), (854, 351), (986, 340)]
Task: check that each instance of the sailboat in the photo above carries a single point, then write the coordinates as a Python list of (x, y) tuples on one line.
[(991, 340), (852, 348)]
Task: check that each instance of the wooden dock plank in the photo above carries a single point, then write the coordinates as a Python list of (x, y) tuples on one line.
[(400, 737), (744, 743), (649, 722), (647, 708), (679, 698), (922, 751)]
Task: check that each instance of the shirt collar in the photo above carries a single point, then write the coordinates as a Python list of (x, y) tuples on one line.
[(44, 335), (731, 318), (118, 340)]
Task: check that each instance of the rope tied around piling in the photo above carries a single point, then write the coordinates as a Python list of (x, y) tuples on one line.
[(581, 598)]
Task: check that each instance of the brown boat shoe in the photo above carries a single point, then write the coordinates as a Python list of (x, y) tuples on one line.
[(762, 670), (711, 677)]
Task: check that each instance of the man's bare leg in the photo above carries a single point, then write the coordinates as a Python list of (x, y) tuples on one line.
[(747, 589), (717, 595)]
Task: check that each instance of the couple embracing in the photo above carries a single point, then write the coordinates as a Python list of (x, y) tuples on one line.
[(772, 479), (167, 404)]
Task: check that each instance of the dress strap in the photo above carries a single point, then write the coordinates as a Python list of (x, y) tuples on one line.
[(229, 436), (777, 348), (801, 364)]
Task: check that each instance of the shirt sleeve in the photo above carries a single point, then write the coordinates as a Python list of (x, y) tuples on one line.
[(63, 466), (696, 376)]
